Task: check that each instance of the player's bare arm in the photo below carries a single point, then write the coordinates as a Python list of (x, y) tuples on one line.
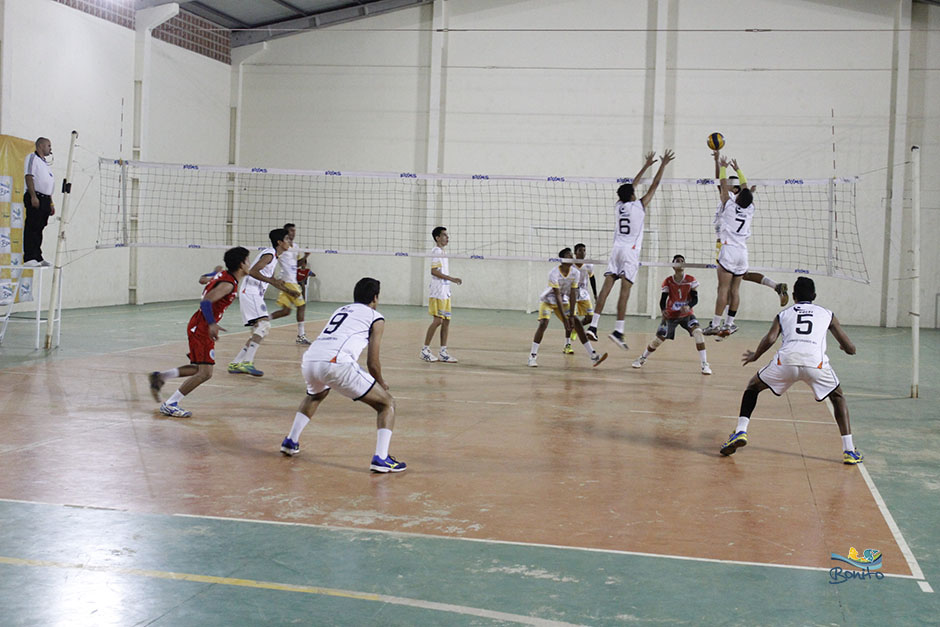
[(667, 156), (648, 160), (372, 356), (436, 272), (841, 337), (255, 273), (217, 293), (572, 299), (724, 188), (765, 343)]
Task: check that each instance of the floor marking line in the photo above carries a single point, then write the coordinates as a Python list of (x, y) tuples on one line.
[(286, 587)]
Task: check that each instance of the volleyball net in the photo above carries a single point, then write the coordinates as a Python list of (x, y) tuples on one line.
[(800, 225)]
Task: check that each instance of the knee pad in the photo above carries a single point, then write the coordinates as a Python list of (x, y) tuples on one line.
[(698, 335), (656, 342), (262, 328)]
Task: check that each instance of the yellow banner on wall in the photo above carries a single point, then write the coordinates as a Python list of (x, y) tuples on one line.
[(13, 153)]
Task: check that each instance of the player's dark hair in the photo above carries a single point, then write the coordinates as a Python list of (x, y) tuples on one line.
[(744, 198), (804, 290), (565, 252), (437, 231), (234, 258), (624, 192), (277, 235), (676, 257), (366, 290), (289, 226), (579, 245)]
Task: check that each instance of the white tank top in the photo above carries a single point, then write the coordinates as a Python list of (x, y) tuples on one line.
[(628, 227), (254, 286), (345, 335), (803, 330)]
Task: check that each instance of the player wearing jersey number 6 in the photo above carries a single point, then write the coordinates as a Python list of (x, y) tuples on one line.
[(801, 357)]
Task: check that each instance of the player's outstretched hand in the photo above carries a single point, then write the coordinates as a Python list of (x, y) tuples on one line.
[(457, 281), (748, 357), (716, 154), (734, 164), (723, 162), (650, 158), (668, 156)]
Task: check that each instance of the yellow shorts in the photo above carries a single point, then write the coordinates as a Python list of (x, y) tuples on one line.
[(439, 308), (546, 310), (584, 308), (286, 300)]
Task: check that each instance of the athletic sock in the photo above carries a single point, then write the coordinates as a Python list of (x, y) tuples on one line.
[(443, 348), (742, 423), (300, 329), (769, 282), (847, 444), (250, 351), (240, 357), (595, 319), (715, 321), (589, 348), (701, 355), (172, 373), (300, 421), (426, 348), (176, 398), (729, 321), (618, 326), (382, 439), (646, 353), (724, 314), (535, 349)]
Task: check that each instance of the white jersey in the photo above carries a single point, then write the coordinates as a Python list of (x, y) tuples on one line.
[(735, 223), (628, 229), (584, 285), (287, 265), (345, 335), (803, 329), (38, 168), (251, 285), (716, 221), (439, 288), (564, 283)]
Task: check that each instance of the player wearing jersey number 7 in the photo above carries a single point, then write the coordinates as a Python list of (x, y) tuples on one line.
[(801, 357)]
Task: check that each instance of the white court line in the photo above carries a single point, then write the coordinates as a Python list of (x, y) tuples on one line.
[(411, 534), (916, 572)]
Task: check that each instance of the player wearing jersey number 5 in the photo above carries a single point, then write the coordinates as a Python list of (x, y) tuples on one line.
[(624, 263), (331, 362), (801, 357)]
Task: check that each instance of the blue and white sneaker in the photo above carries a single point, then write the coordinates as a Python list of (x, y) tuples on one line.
[(289, 447), (735, 441), (174, 411), (852, 457), (248, 367), (389, 464)]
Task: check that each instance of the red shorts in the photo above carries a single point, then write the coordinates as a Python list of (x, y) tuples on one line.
[(201, 346)]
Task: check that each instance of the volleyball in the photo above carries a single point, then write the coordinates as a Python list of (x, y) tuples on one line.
[(716, 141)]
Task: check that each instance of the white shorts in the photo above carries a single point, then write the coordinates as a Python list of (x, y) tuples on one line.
[(779, 378), (733, 259), (623, 262), (252, 307), (348, 378)]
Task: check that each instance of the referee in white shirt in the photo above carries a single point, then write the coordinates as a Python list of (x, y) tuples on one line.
[(38, 202)]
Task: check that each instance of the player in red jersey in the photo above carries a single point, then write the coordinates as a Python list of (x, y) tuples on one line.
[(680, 294), (203, 331)]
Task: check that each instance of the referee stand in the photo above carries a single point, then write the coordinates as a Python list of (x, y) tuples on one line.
[(8, 301)]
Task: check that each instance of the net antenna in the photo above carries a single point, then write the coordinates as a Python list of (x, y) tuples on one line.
[(54, 317), (801, 225)]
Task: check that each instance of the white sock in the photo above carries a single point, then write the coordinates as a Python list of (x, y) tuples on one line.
[(618, 326), (769, 282), (172, 373), (589, 348), (300, 328), (300, 421), (426, 348), (443, 350), (250, 351), (716, 321), (847, 444), (535, 349), (240, 357), (646, 353), (382, 439), (730, 320), (176, 398), (724, 314), (742, 423), (595, 319), (701, 355)]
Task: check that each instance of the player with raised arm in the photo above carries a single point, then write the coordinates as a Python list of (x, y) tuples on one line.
[(331, 362), (287, 263), (251, 301), (624, 263), (439, 298), (736, 183), (203, 332), (558, 297), (679, 296), (801, 357), (584, 308)]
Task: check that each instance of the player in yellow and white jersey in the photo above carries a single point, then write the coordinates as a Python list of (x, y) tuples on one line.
[(439, 298), (584, 308), (287, 272), (801, 357), (557, 298)]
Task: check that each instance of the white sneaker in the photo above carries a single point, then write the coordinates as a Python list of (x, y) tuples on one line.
[(302, 340), (706, 369), (447, 359), (44, 263), (32, 263), (596, 359), (639, 361), (427, 356), (532, 363), (727, 330)]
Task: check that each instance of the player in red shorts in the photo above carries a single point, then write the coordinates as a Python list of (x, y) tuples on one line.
[(203, 331)]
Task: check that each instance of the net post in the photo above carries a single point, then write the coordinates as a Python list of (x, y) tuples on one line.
[(832, 225), (915, 271), (124, 198), (59, 247)]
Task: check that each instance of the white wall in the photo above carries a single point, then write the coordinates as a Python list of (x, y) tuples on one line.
[(526, 93), (63, 69)]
